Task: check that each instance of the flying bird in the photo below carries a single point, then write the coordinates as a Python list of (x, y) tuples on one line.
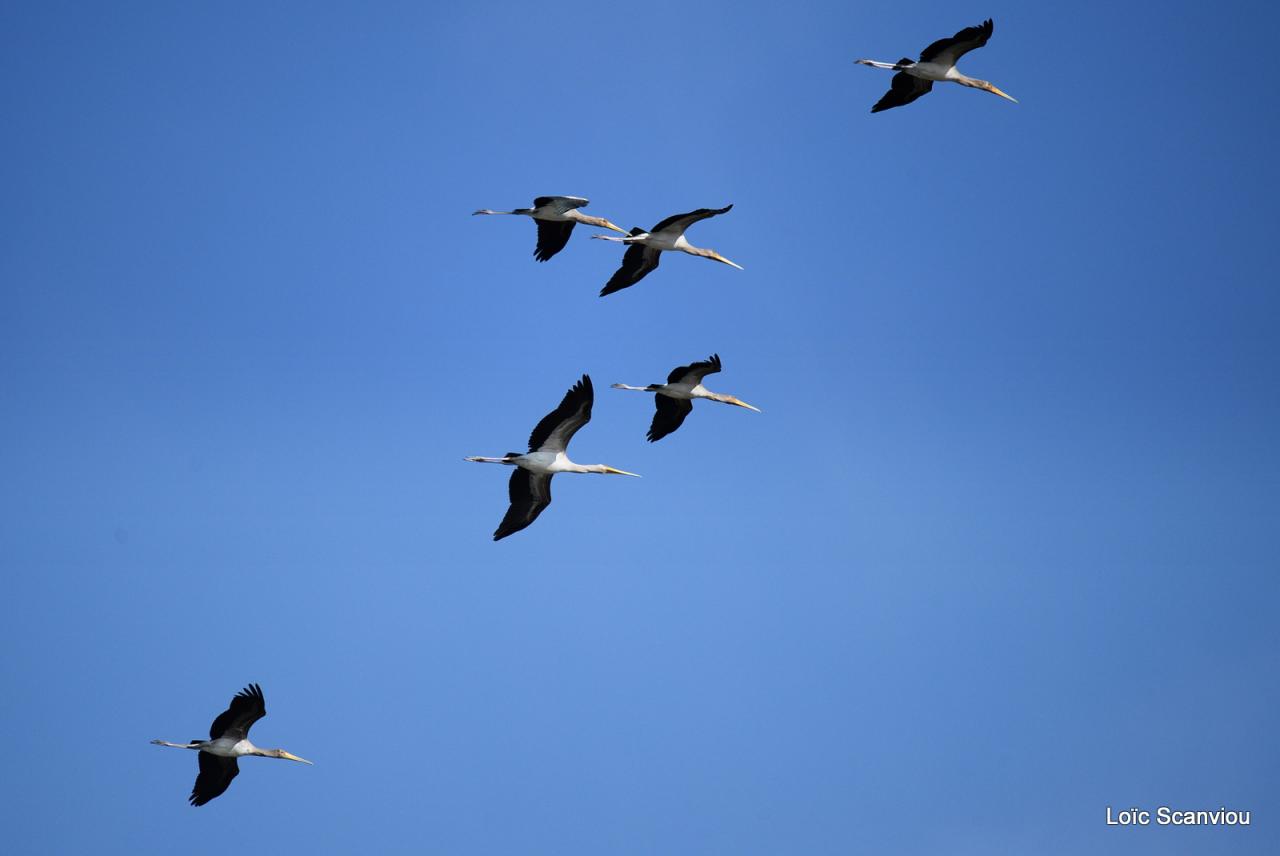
[(937, 64), (674, 398), (556, 216), (530, 487), (228, 740), (645, 247)]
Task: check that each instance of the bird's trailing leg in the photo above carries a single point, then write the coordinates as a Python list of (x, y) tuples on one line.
[(491, 211), (506, 459), (634, 238), (193, 745), (653, 388), (889, 66)]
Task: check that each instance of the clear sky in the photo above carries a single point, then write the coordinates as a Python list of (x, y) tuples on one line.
[(1000, 551)]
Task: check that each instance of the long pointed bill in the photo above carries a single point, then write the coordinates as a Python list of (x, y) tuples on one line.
[(722, 259), (614, 472), (741, 403), (614, 227), (996, 91), (288, 756)]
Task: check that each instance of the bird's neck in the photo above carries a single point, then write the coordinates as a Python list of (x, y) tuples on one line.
[(578, 217)]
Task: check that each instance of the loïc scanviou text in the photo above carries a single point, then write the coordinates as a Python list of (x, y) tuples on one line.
[(1166, 816)]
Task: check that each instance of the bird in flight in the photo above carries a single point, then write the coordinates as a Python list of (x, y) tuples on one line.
[(530, 486), (644, 248), (556, 216), (937, 64), (229, 740), (674, 399)]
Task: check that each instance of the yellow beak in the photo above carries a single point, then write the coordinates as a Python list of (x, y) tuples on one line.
[(612, 471), (615, 228), (723, 260), (996, 91), (291, 757), (741, 403)]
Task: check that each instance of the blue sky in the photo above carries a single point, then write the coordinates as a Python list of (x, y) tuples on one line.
[(999, 552)]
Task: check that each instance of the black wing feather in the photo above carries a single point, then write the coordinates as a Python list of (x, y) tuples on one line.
[(246, 708), (694, 217), (552, 237), (970, 38), (564, 203), (530, 493), (904, 89), (699, 370), (215, 777), (669, 416), (637, 263), (576, 405)]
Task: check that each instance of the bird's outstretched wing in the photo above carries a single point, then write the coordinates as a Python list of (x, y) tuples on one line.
[(530, 493), (904, 89), (949, 51), (637, 263), (556, 429), (552, 237), (679, 222), (669, 416), (695, 372), (561, 204), (215, 777), (247, 707)]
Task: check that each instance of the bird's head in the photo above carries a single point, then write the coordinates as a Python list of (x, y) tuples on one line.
[(714, 256), (288, 756), (995, 90)]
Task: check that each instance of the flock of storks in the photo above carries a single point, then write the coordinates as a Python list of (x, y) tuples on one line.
[(530, 486)]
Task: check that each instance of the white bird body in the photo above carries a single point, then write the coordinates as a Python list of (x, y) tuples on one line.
[(685, 391), (548, 463), (226, 747), (544, 462), (660, 241), (933, 71)]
